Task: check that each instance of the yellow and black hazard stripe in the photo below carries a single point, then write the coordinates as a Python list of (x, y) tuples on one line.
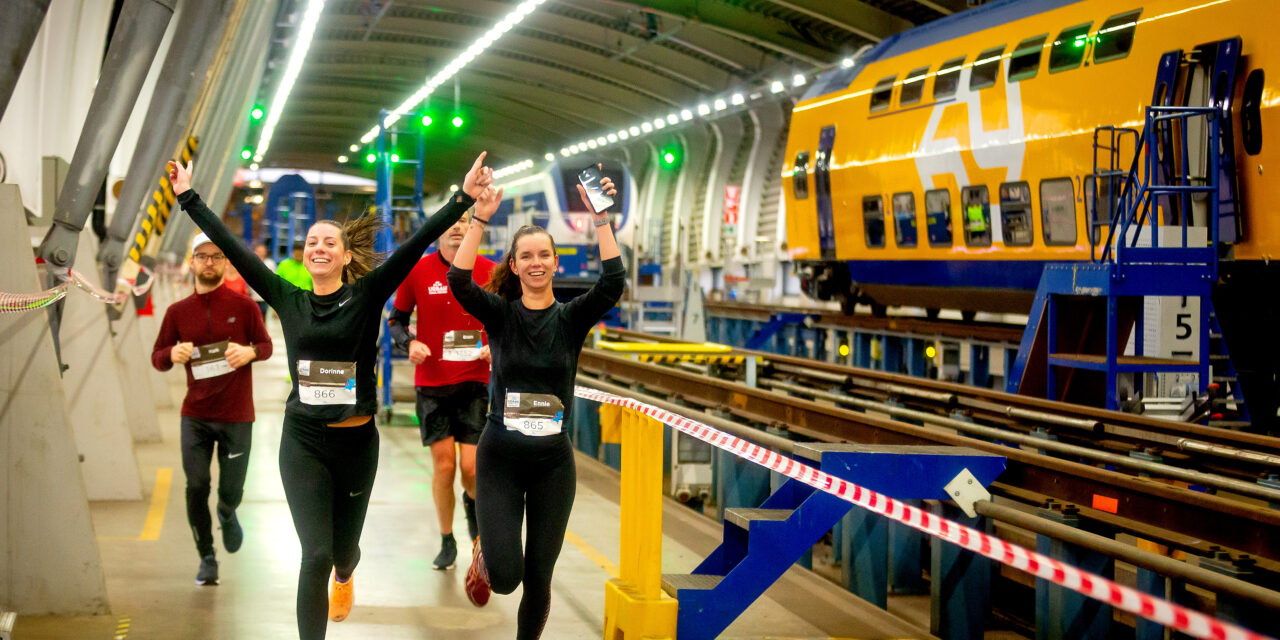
[(161, 204), (696, 358)]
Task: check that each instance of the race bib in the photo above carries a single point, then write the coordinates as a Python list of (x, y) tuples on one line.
[(533, 414), (210, 361), (461, 346), (323, 382)]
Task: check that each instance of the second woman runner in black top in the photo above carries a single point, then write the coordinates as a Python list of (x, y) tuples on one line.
[(524, 461), (329, 446)]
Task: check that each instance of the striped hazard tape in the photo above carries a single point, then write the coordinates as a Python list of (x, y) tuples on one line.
[(162, 200), (1095, 586)]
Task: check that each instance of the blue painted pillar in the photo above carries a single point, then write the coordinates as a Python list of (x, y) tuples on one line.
[(862, 350), (1157, 585), (586, 427), (960, 588), (1063, 614), (893, 354), (906, 574), (865, 549), (980, 365), (914, 353)]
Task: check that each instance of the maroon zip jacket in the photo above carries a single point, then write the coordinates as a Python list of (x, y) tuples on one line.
[(206, 318)]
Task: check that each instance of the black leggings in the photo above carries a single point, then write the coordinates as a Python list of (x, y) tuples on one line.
[(198, 439), (328, 474), (516, 475)]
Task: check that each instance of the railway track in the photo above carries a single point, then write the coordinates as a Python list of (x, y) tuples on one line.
[(1186, 486)]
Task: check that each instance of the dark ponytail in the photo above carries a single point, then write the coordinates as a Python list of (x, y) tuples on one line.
[(501, 280), (358, 237)]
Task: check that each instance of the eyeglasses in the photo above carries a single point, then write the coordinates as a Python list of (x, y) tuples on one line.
[(215, 258)]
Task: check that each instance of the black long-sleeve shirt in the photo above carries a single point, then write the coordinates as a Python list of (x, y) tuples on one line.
[(329, 333), (535, 351)]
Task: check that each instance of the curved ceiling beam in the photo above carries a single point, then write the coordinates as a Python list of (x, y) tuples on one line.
[(867, 21)]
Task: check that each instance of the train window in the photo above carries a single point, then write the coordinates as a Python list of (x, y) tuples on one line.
[(1250, 113), (1058, 211), (800, 176), (873, 220), (882, 95), (1115, 36), (913, 86), (904, 219), (937, 211), (948, 78), (1015, 214), (1068, 48), (986, 68), (1025, 61), (977, 216)]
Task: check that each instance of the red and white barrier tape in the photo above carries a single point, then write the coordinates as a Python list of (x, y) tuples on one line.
[(20, 302), (1095, 586)]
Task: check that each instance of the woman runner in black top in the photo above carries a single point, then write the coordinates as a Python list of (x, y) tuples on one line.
[(524, 461), (331, 338)]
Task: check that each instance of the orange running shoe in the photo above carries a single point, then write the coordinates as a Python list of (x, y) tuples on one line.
[(477, 581), (341, 597)]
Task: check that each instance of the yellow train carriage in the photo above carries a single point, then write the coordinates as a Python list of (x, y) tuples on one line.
[(950, 163)]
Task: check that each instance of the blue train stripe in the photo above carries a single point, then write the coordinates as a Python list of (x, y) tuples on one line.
[(986, 274)]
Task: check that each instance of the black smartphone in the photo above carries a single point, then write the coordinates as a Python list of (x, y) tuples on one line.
[(590, 179)]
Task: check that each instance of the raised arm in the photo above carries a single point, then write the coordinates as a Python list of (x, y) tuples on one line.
[(387, 276), (485, 306), (255, 273), (604, 224)]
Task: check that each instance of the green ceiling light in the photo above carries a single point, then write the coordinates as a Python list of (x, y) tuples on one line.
[(370, 158), (257, 113), (246, 153), (426, 121), (395, 157), (669, 157), (457, 121)]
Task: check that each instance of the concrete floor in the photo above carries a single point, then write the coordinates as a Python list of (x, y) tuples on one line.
[(152, 593)]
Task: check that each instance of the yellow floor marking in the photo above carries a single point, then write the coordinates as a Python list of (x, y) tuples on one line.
[(591, 553), (159, 504)]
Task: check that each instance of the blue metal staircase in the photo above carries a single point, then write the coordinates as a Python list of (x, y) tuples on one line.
[(760, 544)]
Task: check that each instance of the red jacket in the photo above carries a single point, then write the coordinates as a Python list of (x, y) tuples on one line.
[(206, 318), (427, 288)]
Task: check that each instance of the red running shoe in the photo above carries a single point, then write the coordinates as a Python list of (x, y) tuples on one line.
[(477, 581)]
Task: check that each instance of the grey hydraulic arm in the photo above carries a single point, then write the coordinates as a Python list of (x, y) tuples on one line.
[(196, 36), (141, 26), (18, 31)]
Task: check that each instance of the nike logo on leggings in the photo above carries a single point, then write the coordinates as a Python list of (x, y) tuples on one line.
[(355, 493), (234, 455)]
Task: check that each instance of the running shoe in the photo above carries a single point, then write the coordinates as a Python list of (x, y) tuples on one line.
[(341, 597), (207, 575), (232, 532), (448, 555), (477, 582)]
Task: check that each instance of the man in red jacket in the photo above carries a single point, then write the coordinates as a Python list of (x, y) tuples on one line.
[(452, 379), (215, 333)]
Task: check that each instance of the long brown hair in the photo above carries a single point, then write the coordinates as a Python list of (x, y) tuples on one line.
[(502, 281), (358, 237)]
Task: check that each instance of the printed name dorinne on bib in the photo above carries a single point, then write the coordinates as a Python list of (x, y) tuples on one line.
[(210, 360), (321, 382), (533, 414)]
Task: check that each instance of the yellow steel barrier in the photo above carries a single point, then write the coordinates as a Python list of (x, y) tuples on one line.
[(634, 605), (665, 347)]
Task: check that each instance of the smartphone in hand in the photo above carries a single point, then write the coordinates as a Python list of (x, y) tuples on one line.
[(590, 179)]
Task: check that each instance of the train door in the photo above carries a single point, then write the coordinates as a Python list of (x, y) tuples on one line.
[(1210, 81), (822, 192)]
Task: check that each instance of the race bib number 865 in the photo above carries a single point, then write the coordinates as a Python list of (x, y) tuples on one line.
[(533, 414)]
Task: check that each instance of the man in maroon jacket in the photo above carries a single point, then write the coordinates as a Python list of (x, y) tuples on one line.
[(215, 333)]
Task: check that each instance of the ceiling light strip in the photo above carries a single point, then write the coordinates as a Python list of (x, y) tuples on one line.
[(301, 44), (457, 64)]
